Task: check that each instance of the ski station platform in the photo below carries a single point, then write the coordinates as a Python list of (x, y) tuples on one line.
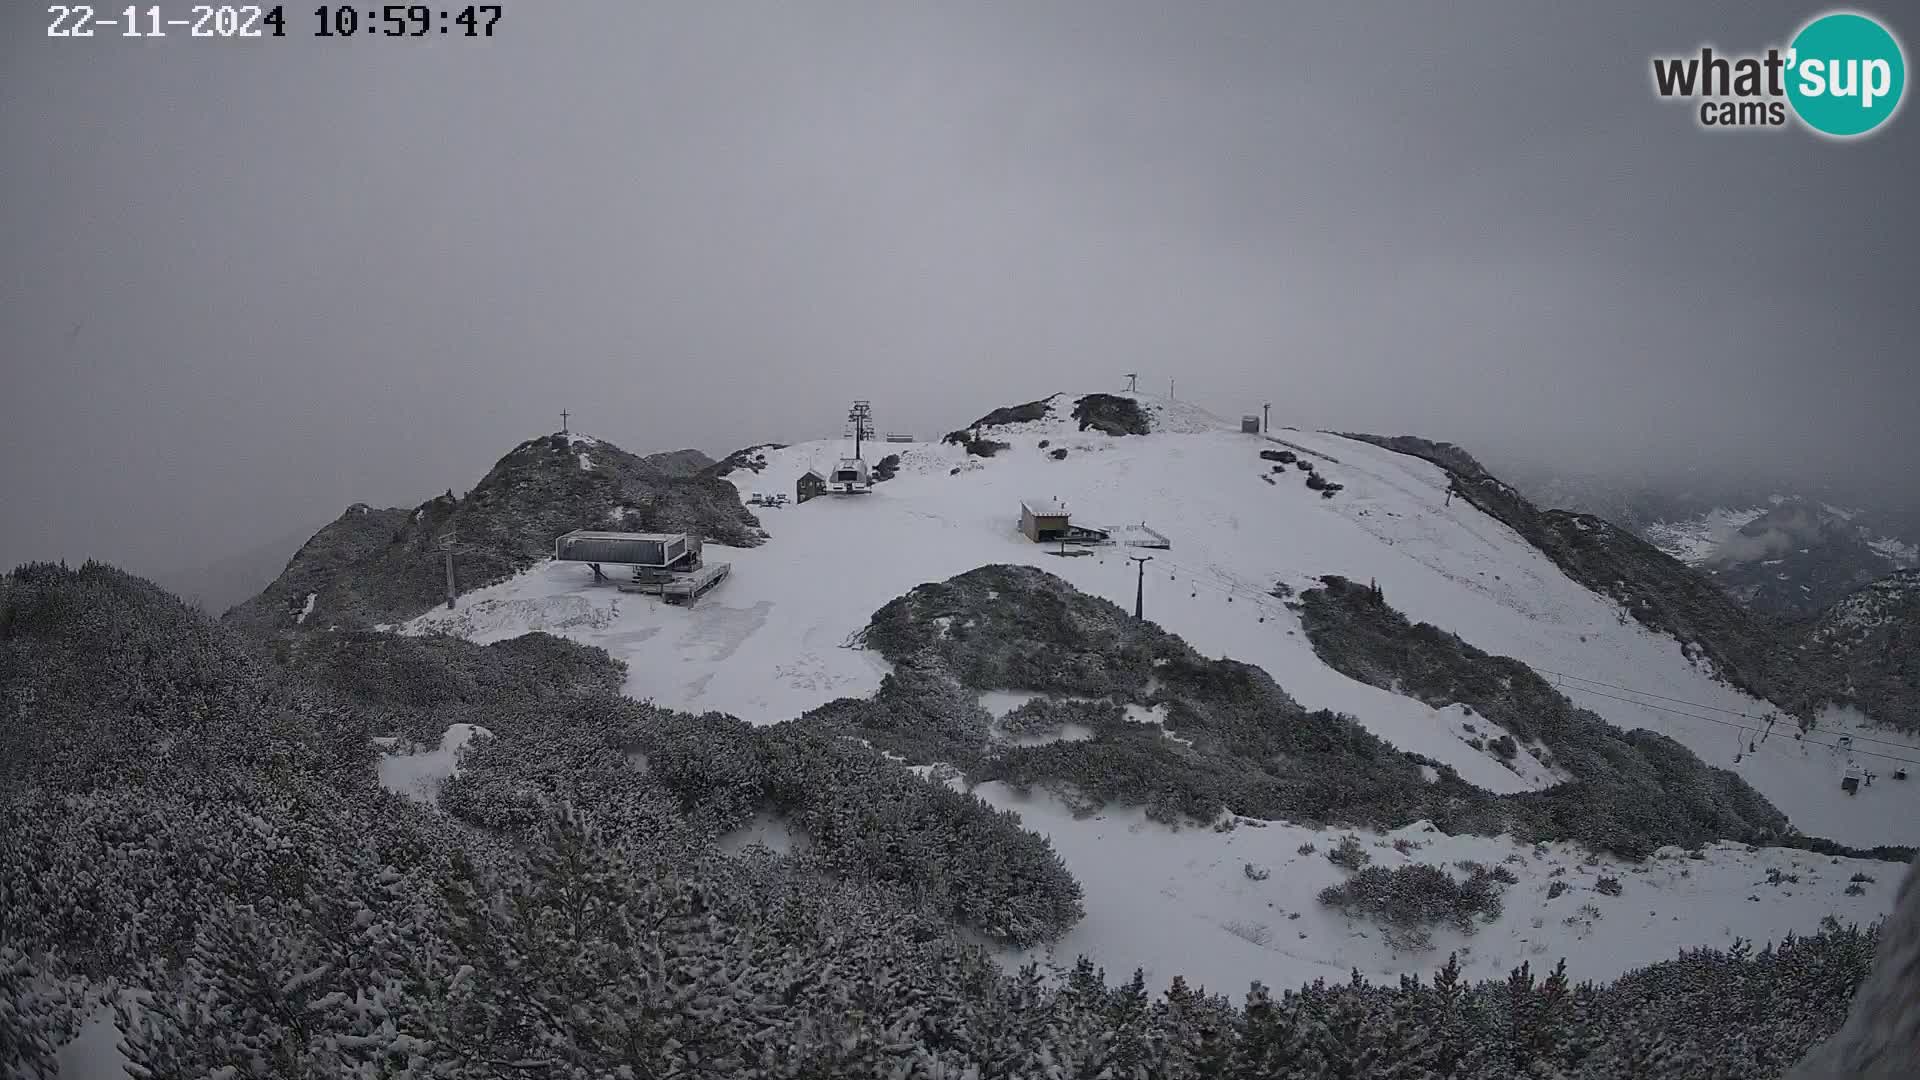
[(678, 588)]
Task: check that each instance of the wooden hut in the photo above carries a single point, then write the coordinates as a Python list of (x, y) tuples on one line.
[(809, 485)]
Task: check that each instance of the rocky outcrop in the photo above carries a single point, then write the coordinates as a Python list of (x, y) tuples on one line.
[(383, 566)]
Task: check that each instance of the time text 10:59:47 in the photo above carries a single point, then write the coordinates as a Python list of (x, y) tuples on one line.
[(257, 21)]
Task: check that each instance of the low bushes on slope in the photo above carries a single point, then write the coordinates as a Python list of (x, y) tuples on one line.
[(869, 818), (1869, 643), (866, 818), (418, 686), (1253, 749), (577, 957), (108, 679), (276, 921)]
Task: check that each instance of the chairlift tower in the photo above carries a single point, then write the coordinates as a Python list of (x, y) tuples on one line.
[(860, 419)]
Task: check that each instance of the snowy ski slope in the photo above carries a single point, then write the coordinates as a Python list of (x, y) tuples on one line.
[(771, 643)]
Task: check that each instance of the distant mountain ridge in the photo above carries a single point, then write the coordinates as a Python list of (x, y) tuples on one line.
[(1779, 548), (232, 579), (373, 566)]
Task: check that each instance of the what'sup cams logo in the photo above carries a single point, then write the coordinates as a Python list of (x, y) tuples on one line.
[(1841, 76)]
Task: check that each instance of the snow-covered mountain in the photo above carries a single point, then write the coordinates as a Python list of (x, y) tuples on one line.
[(1790, 554), (783, 635), (1792, 557)]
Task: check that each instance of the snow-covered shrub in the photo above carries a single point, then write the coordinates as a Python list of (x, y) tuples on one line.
[(1048, 715), (1608, 886), (1111, 414), (1416, 897), (39, 1011), (869, 818), (1349, 854), (920, 712)]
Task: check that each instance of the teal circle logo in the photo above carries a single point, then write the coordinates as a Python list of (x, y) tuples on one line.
[(1845, 74)]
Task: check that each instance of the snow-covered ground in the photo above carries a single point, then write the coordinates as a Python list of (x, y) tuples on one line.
[(94, 1054), (1183, 903), (773, 641), (419, 774)]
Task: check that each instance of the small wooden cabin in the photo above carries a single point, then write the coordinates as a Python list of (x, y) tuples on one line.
[(1250, 425), (809, 485)]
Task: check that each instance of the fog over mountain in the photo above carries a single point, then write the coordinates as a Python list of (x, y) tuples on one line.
[(248, 284)]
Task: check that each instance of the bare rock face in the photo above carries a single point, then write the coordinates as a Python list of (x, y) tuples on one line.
[(1112, 414)]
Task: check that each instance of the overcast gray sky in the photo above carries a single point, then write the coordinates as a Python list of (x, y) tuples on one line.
[(246, 284)]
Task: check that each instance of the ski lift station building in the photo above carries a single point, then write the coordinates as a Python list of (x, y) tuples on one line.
[(652, 551), (850, 477), (666, 564)]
